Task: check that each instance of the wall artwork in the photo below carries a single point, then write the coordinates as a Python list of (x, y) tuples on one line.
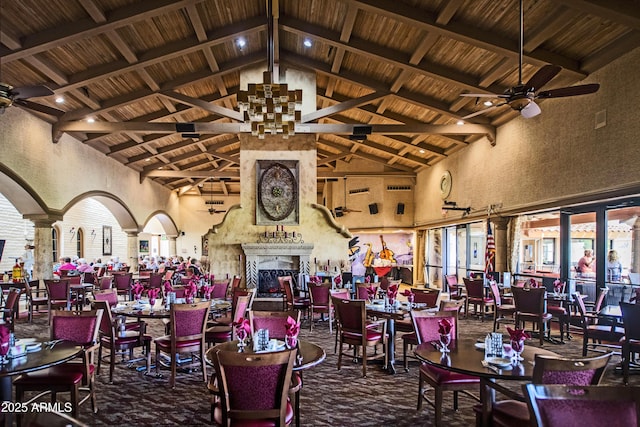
[(144, 246), (277, 192), (106, 240)]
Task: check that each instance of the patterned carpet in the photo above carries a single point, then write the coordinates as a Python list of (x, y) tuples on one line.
[(329, 397)]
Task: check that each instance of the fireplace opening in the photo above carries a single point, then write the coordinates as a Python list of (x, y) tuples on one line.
[(268, 284)]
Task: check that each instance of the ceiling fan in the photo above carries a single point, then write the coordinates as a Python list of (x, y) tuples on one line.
[(341, 210), (212, 210), (522, 97), (20, 96)]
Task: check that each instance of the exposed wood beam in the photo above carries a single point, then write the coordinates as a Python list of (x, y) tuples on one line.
[(621, 11), (343, 106), (207, 106)]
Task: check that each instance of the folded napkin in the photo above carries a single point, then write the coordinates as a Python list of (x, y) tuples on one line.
[(367, 279), (153, 294), (137, 290), (315, 279), (517, 334), (5, 335), (533, 283), (558, 286), (392, 292), (371, 290), (292, 327), (190, 290), (167, 287), (407, 293), (337, 280), (206, 291), (444, 327), (242, 328)]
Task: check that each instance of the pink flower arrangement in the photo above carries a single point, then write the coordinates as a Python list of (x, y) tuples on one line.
[(517, 334), (444, 327)]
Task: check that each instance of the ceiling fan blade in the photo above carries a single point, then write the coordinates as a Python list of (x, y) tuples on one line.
[(39, 107), (531, 110), (477, 113), (542, 77), (31, 92), (569, 91)]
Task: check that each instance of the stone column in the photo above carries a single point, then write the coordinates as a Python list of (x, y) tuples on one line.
[(42, 254), (500, 235), (132, 250), (173, 246), (635, 248)]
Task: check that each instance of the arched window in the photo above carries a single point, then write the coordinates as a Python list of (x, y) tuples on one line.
[(55, 244), (80, 243)]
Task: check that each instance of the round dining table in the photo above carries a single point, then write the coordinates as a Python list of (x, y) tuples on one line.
[(143, 310), (466, 356)]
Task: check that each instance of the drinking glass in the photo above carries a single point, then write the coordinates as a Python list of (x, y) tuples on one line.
[(241, 334), (518, 347), (445, 340)]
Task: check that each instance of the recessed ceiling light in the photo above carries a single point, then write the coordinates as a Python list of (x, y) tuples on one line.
[(307, 43), (147, 159), (460, 123), (160, 167), (59, 100), (488, 103), (421, 151), (241, 42), (90, 120)]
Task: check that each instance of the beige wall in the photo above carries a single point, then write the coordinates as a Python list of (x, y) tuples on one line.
[(554, 159)]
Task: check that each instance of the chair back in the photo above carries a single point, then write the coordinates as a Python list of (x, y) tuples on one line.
[(320, 294), (123, 282), (603, 294), (475, 288), (341, 293), (220, 288), (80, 327), (529, 300), (168, 275), (57, 290), (573, 405), (452, 305), (242, 398), (631, 320), (274, 321), (361, 289), (235, 282), (101, 271), (566, 370), (495, 293), (189, 321), (88, 277), (155, 280), (105, 282), (11, 305), (426, 324), (241, 307), (145, 273), (74, 280), (351, 315), (110, 296), (107, 327), (241, 292), (426, 296), (179, 291)]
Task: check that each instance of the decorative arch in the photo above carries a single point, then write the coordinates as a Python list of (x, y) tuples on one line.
[(170, 228), (115, 205), (23, 197)]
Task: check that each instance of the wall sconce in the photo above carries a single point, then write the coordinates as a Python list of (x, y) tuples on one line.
[(73, 230), (93, 232)]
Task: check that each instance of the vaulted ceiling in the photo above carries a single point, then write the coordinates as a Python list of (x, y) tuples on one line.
[(140, 67)]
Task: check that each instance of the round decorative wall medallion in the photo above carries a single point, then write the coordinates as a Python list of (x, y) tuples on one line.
[(445, 184), (277, 192)]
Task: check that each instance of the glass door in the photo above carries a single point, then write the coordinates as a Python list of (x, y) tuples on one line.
[(582, 253)]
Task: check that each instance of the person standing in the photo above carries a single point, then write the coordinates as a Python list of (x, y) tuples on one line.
[(614, 267)]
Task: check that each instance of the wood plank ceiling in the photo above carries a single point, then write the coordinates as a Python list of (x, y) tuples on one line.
[(140, 67)]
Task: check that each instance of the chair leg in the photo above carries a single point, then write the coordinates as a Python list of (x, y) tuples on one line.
[(420, 391), (74, 400), (438, 406), (92, 391), (405, 346), (340, 354), (203, 364), (174, 370), (626, 360), (364, 361)]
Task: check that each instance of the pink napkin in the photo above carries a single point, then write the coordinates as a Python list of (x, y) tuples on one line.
[(137, 290), (533, 283), (517, 334), (190, 290), (371, 290), (314, 279), (292, 330), (153, 294), (337, 280), (206, 291), (392, 292), (558, 285), (5, 334), (242, 327), (444, 327), (167, 287), (367, 279)]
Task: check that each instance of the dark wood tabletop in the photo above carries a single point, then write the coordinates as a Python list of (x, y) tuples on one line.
[(310, 354), (131, 309)]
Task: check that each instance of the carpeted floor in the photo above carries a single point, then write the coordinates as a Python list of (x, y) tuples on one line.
[(329, 397)]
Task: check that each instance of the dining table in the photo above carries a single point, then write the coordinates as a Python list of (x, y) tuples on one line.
[(45, 355), (391, 314), (143, 310), (466, 356)]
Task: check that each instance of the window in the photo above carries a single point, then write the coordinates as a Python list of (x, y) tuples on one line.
[(55, 244), (548, 251), (80, 243)]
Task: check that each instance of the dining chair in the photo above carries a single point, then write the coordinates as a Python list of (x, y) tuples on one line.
[(355, 331), (530, 307), (426, 325), (502, 313), (550, 370), (221, 289), (216, 332), (120, 343), (428, 296), (604, 338), (155, 281), (10, 307), (452, 305), (89, 277), (274, 321), (105, 282), (631, 340), (122, 283), (476, 297), (235, 282), (188, 323), (573, 405), (342, 293), (34, 299), (81, 328), (421, 296), (454, 288), (292, 301), (363, 293), (320, 295), (108, 295), (58, 294), (243, 400)]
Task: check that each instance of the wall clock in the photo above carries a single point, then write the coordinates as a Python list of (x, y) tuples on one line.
[(445, 184), (277, 192)]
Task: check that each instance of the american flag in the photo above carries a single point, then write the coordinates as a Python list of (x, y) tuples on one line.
[(490, 254)]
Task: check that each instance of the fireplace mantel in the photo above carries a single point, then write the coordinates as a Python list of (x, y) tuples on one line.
[(257, 253)]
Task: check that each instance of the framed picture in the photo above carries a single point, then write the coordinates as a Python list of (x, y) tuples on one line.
[(106, 240), (144, 246)]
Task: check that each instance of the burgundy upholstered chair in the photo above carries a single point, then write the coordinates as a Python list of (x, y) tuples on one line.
[(34, 299), (112, 340), (123, 283), (572, 405), (320, 294), (188, 324), (631, 340), (220, 289), (59, 294), (476, 297), (550, 370), (274, 321), (355, 331), (603, 337), (242, 399), (291, 301), (10, 308), (454, 288), (530, 307), (108, 295), (79, 327), (216, 333), (501, 312), (426, 326)]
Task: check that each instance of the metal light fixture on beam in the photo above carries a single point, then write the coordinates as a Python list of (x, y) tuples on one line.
[(271, 107)]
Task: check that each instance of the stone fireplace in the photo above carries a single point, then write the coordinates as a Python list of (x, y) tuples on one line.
[(266, 261)]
